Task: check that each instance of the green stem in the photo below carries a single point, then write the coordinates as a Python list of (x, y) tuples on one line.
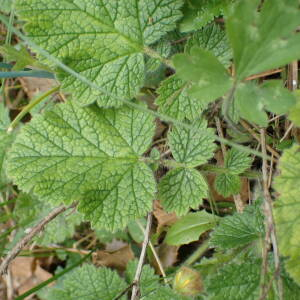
[(156, 55), (46, 282), (28, 107), (198, 253)]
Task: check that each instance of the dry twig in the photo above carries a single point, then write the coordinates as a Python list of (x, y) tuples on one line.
[(28, 237), (136, 289)]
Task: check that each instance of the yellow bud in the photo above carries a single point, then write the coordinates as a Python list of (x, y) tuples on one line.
[(188, 282)]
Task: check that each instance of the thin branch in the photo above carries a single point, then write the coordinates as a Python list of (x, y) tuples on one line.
[(160, 266), (33, 232), (136, 289), (269, 222)]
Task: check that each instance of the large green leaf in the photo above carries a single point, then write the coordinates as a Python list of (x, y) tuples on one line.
[(266, 39), (91, 155), (192, 147), (239, 229), (90, 283), (190, 227), (287, 210), (182, 189), (201, 67), (104, 41), (294, 113)]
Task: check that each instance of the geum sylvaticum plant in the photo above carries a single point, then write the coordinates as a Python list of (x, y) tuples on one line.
[(125, 76)]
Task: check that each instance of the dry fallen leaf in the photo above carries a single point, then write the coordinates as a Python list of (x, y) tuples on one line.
[(26, 274), (163, 218), (116, 260)]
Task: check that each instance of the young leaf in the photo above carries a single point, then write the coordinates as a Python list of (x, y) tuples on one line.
[(4, 117), (227, 184), (237, 161), (182, 189), (175, 102), (91, 155), (239, 229), (212, 38), (107, 46), (193, 147), (266, 39), (5, 143), (235, 282), (211, 79), (190, 227), (165, 293), (90, 283), (287, 210)]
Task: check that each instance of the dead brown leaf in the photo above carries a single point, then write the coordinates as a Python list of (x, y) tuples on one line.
[(116, 260), (27, 273), (163, 218)]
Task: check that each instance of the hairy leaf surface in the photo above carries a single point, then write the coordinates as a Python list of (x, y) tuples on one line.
[(175, 101), (102, 40), (192, 147), (90, 283), (236, 282), (91, 155), (237, 161), (227, 184), (182, 189), (239, 229)]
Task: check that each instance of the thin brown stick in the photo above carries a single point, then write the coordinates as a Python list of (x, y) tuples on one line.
[(269, 223), (256, 136), (28, 237), (136, 282)]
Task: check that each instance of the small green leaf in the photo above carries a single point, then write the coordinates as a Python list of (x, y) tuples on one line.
[(182, 189), (135, 231), (239, 229), (165, 293), (249, 103), (276, 98), (263, 40), (212, 38), (189, 228), (235, 282), (192, 147), (108, 45), (287, 210), (228, 184), (90, 283), (237, 161), (211, 79), (88, 155), (175, 102)]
